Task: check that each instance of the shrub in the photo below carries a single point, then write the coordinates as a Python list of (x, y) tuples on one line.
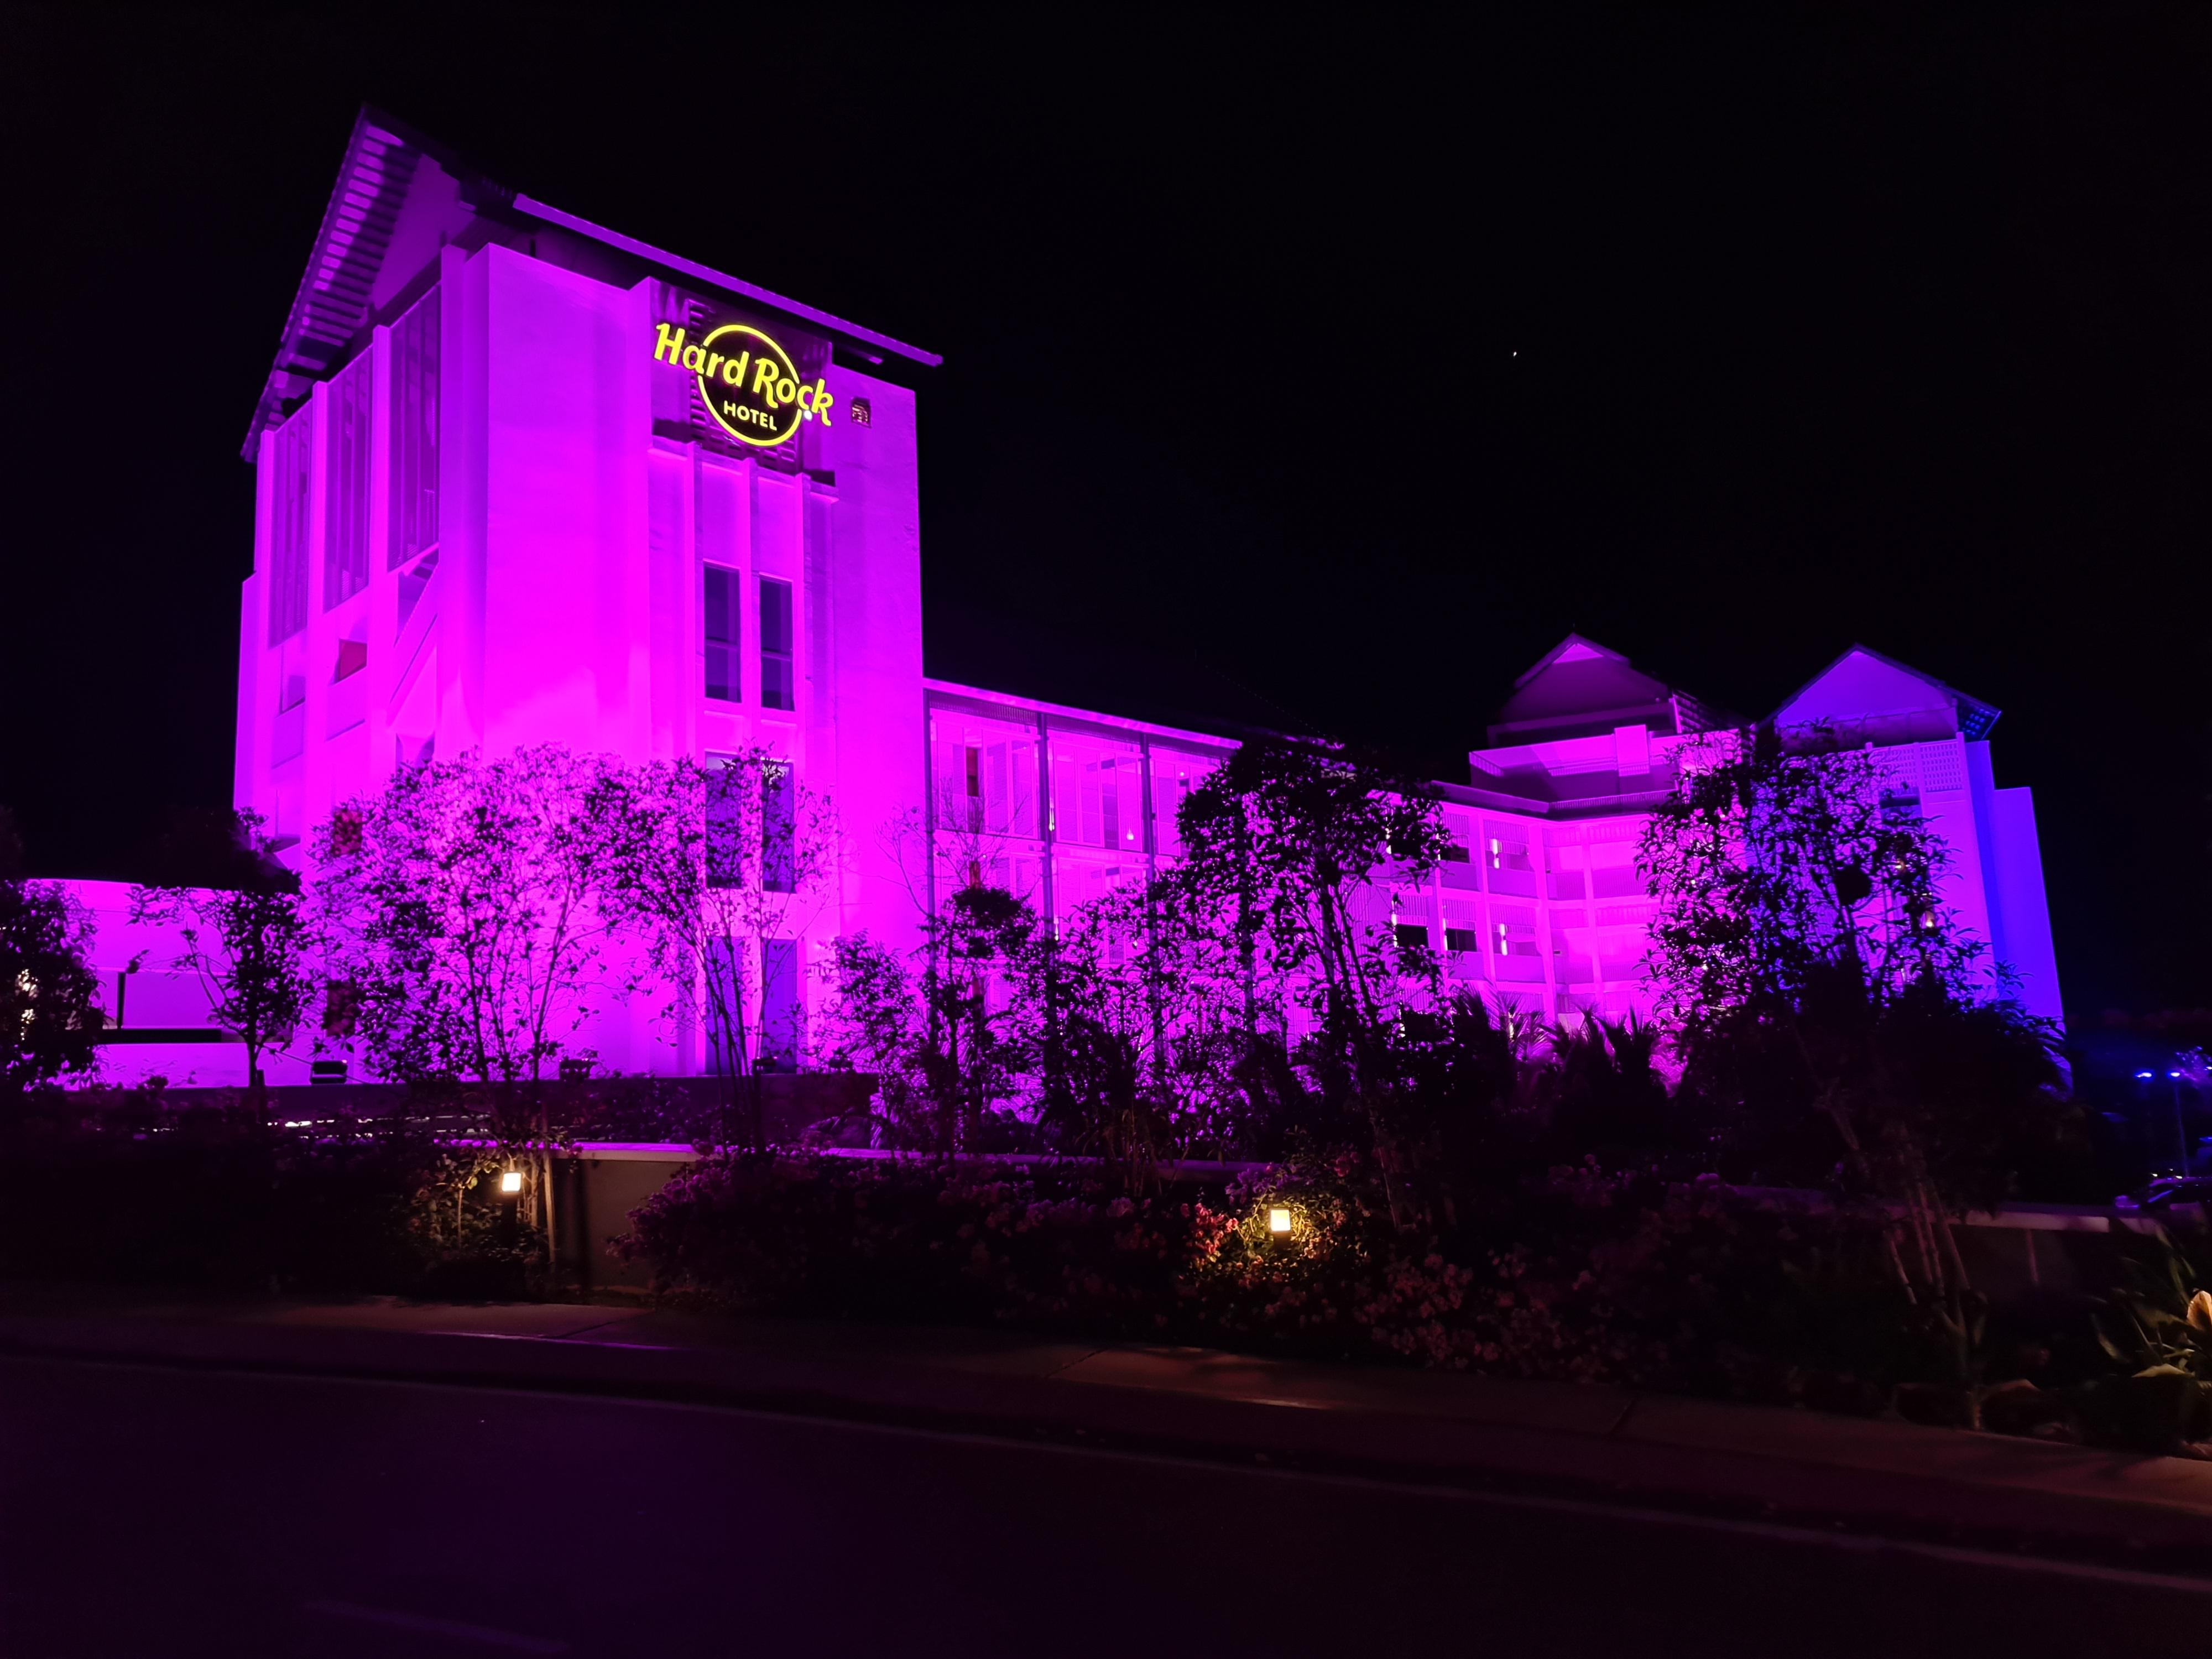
[(1043, 1242), (1583, 1276), (139, 1187)]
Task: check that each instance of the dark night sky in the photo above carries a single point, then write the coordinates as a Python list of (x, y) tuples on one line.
[(1358, 360)]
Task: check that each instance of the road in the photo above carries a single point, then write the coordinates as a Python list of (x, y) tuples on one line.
[(153, 1511)]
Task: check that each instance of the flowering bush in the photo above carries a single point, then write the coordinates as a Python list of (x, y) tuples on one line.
[(1046, 1242), (1585, 1276)]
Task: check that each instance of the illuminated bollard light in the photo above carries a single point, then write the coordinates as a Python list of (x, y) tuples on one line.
[(511, 1182), (1278, 1221)]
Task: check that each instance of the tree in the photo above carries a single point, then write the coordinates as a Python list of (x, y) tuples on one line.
[(741, 860), (243, 933), (49, 997), (1291, 850), (1813, 976), (470, 910), (934, 1025)]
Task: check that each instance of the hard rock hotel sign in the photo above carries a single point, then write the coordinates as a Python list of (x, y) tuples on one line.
[(747, 381)]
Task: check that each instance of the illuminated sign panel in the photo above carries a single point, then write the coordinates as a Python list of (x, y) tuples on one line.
[(747, 381)]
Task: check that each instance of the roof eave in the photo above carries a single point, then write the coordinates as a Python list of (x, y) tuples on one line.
[(677, 262)]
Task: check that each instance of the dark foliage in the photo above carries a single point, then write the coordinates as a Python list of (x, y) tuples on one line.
[(49, 1011)]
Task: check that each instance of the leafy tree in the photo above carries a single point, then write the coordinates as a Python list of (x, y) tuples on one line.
[(1608, 1097), (1815, 978), (741, 860), (243, 935), (49, 997), (932, 1024), (1116, 1060), (471, 906), (472, 909), (1289, 850)]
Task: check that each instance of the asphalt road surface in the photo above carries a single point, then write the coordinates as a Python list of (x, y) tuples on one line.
[(150, 1511)]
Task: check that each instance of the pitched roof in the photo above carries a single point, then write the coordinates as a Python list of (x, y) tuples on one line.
[(1580, 689), (398, 198), (1864, 693)]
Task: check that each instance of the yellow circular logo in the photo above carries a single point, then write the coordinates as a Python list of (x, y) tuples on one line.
[(750, 385)]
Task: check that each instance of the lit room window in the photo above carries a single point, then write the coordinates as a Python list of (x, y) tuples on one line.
[(776, 684), (722, 627)]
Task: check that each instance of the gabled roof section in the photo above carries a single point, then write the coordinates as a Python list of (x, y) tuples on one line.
[(1865, 696), (1582, 688), (399, 197), (377, 184)]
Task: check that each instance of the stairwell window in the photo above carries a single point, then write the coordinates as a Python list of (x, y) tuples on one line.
[(414, 528), (721, 631), (345, 536), (776, 680), (287, 526)]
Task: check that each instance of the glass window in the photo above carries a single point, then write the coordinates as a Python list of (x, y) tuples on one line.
[(721, 628), (1507, 862), (1097, 793), (287, 526), (984, 775), (779, 827), (1175, 775), (726, 821), (345, 539), (415, 433), (781, 1013), (776, 683)]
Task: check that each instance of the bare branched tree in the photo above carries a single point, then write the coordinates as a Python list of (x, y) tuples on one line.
[(742, 861)]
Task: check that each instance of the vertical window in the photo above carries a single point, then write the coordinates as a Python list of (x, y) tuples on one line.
[(287, 526), (726, 821), (775, 644), (778, 828), (780, 1010), (415, 433), (345, 537), (722, 625)]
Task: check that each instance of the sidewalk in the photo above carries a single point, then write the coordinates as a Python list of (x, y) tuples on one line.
[(1564, 1441)]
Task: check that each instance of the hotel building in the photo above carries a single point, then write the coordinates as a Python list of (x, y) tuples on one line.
[(524, 479)]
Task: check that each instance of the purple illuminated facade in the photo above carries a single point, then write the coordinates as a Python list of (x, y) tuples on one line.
[(1547, 905), (500, 505)]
